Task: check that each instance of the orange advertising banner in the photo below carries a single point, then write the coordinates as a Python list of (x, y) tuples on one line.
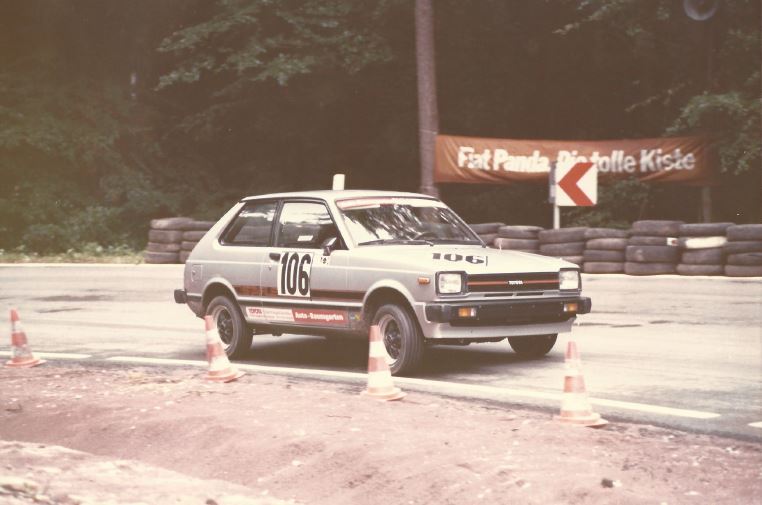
[(682, 160)]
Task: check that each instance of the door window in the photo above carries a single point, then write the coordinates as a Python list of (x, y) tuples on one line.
[(305, 225)]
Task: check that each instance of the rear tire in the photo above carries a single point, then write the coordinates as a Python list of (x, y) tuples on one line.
[(533, 347), (402, 338), (234, 332)]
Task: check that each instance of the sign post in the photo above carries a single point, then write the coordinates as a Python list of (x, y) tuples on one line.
[(553, 194)]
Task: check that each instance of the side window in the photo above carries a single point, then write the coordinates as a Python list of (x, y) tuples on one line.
[(305, 225), (252, 225)]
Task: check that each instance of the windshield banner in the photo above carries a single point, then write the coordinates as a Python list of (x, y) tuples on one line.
[(502, 161)]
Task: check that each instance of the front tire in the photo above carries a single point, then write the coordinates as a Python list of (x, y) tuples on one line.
[(402, 338), (533, 347), (234, 332)]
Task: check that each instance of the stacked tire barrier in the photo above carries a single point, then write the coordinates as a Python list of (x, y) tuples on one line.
[(518, 238), (194, 231), (486, 231), (702, 248), (744, 251), (652, 248), (170, 240), (564, 243), (604, 251)]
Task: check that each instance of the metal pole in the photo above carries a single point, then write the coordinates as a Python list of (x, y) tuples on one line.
[(556, 216), (706, 204), (428, 115), (552, 195)]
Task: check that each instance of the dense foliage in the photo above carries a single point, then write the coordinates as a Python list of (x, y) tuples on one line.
[(112, 113)]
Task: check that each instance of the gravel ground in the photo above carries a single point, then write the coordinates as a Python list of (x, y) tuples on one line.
[(154, 435)]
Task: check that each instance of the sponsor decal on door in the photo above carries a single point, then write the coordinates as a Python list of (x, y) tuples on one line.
[(314, 317), (321, 317)]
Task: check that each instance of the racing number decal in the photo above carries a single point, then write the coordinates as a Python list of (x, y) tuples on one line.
[(294, 274), (474, 259)]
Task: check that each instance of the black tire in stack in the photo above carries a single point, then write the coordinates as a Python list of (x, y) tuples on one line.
[(518, 238), (702, 246), (564, 243), (604, 250), (486, 231), (194, 231), (164, 240), (652, 248), (744, 251)]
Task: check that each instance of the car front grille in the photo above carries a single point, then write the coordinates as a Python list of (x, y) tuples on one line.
[(512, 283)]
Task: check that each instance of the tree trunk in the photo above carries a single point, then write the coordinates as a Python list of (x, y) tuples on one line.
[(428, 117)]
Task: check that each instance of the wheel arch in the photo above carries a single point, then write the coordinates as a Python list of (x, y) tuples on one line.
[(216, 288), (382, 294)]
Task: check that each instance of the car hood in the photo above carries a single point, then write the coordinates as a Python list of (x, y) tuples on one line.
[(471, 259)]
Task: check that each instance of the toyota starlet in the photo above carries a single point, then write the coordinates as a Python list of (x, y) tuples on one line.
[(334, 263)]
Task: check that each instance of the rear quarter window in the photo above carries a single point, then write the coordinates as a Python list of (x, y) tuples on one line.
[(252, 225)]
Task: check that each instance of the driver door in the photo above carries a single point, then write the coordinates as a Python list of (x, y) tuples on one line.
[(296, 272)]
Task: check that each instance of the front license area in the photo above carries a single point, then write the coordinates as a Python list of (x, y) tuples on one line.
[(294, 269)]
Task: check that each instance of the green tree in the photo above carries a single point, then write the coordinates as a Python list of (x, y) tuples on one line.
[(241, 43), (693, 77)]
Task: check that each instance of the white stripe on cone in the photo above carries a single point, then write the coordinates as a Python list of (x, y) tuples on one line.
[(377, 350)]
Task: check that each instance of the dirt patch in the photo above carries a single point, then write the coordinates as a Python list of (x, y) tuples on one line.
[(54, 475), (320, 442)]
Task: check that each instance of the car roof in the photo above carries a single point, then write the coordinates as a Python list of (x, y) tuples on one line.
[(333, 195)]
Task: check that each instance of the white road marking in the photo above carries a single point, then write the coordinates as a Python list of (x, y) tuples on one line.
[(53, 355), (654, 409), (91, 265), (756, 425), (157, 361), (437, 386)]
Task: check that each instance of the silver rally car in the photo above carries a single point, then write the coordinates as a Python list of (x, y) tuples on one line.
[(335, 262)]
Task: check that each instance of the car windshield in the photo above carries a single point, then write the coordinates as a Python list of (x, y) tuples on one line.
[(403, 220)]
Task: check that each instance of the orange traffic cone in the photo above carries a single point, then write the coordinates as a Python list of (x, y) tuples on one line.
[(220, 369), (380, 385), (575, 406), (21, 355)]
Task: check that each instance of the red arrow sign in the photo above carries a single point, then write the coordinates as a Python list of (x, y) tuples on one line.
[(569, 184)]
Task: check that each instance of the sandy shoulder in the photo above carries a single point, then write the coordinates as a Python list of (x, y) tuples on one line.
[(319, 442)]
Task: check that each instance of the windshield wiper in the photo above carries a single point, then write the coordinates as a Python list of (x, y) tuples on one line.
[(455, 241), (384, 241)]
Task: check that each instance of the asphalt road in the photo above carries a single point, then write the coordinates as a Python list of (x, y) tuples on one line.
[(680, 352)]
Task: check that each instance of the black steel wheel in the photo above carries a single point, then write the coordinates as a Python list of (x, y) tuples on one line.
[(402, 338), (234, 332)]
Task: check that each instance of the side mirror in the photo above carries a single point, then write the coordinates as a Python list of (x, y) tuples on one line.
[(328, 245)]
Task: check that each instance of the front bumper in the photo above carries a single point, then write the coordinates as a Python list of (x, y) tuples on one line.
[(507, 313)]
